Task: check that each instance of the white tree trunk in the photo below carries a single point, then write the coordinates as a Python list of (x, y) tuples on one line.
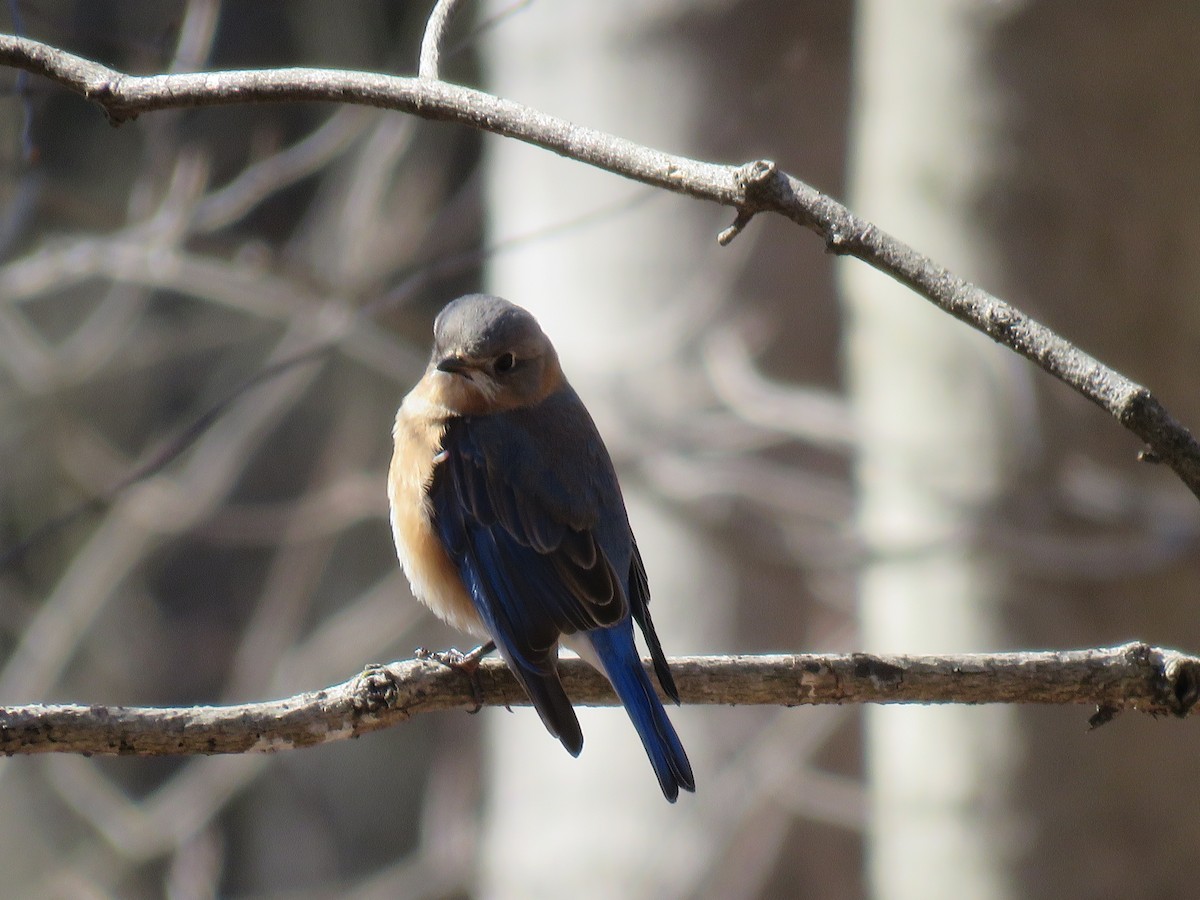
[(598, 825), (936, 405)]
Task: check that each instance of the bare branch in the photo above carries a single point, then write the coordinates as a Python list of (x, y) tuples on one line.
[(809, 414), (196, 34), (435, 34), (750, 189), (124, 97), (1134, 676)]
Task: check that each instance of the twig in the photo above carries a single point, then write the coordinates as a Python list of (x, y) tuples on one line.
[(435, 34), (1133, 676), (755, 187)]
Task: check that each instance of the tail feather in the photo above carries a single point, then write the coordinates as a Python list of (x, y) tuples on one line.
[(553, 706), (618, 654), (639, 601)]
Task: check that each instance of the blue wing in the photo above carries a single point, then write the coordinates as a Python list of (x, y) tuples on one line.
[(528, 507), (526, 533)]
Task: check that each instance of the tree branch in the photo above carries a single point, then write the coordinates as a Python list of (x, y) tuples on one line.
[(431, 41), (1133, 676), (753, 188)]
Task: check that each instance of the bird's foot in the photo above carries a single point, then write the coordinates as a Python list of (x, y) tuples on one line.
[(466, 663), (374, 689)]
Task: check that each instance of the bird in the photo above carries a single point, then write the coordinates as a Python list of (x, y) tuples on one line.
[(510, 524)]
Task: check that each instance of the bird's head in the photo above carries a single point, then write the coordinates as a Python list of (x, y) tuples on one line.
[(490, 356)]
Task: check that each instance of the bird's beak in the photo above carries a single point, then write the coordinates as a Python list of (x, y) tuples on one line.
[(453, 364)]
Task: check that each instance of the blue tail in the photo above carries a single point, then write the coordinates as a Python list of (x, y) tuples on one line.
[(618, 653)]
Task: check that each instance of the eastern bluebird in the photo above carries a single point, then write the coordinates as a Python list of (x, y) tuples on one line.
[(510, 524)]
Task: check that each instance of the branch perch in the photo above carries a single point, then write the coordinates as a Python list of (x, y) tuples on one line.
[(1133, 676), (750, 189)]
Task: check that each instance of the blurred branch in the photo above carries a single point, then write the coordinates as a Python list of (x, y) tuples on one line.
[(140, 519), (808, 414), (262, 179), (1133, 676), (196, 34), (753, 188)]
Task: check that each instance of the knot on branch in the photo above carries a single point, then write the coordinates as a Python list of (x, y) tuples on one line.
[(1174, 678), (374, 691), (754, 176), (108, 93), (847, 237), (1180, 682), (754, 182), (879, 672)]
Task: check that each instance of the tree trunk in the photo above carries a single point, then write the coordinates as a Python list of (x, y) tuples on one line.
[(598, 825), (937, 405)]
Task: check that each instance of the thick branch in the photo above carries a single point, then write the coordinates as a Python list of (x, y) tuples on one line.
[(752, 188), (1134, 676)]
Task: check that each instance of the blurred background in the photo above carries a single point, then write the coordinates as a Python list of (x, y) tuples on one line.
[(208, 318)]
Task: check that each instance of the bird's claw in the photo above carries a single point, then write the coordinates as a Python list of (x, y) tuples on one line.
[(456, 659), (452, 659), (465, 663)]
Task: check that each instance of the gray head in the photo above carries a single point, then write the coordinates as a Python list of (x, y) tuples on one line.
[(495, 354)]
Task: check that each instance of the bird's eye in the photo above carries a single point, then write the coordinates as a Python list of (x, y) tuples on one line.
[(505, 362)]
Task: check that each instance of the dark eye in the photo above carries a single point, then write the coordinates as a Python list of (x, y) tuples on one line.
[(505, 362)]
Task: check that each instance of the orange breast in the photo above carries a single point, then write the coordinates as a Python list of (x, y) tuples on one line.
[(418, 432)]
